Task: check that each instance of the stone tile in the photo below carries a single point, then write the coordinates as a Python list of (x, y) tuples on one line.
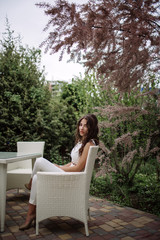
[(137, 224), (92, 209), (5, 235), (16, 208), (78, 235), (117, 220), (64, 226), (44, 231), (118, 208), (14, 229), (127, 238), (106, 227), (132, 234), (112, 224), (65, 236), (104, 210), (9, 238), (108, 236), (94, 227), (108, 207), (144, 220), (96, 238), (99, 231), (119, 228)]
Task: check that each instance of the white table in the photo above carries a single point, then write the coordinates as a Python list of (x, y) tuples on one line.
[(5, 158)]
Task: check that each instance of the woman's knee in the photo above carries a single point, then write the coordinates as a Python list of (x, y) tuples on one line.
[(39, 161)]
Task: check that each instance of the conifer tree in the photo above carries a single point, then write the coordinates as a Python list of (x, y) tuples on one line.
[(25, 101)]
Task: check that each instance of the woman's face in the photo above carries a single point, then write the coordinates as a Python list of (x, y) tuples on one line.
[(83, 129)]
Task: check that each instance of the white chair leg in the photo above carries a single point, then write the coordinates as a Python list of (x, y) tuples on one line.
[(86, 229), (37, 228)]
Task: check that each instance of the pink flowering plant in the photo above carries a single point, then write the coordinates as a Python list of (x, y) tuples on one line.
[(129, 135)]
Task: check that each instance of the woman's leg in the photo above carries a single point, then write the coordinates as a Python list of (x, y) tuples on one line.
[(41, 164), (28, 185), (31, 216), (44, 165), (32, 199)]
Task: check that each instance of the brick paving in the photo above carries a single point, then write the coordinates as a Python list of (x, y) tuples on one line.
[(108, 221)]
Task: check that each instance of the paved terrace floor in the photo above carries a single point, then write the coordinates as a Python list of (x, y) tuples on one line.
[(108, 221)]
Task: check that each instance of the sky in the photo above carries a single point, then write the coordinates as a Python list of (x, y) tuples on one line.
[(28, 21)]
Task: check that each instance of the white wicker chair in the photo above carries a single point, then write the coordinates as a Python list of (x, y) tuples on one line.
[(19, 173), (65, 194)]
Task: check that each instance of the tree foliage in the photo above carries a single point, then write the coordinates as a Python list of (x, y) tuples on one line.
[(119, 39), (84, 94), (22, 93), (28, 111)]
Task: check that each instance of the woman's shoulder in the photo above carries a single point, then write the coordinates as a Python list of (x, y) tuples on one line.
[(91, 143)]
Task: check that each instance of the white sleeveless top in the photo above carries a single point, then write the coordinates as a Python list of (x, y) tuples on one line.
[(75, 153)]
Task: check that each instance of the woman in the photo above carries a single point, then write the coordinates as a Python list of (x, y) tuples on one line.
[(86, 136)]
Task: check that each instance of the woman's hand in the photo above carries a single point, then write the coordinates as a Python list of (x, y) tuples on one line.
[(57, 165), (63, 167)]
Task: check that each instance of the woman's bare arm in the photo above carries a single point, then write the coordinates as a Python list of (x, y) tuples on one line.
[(65, 165), (82, 161)]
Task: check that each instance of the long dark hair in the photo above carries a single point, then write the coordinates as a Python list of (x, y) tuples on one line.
[(93, 130)]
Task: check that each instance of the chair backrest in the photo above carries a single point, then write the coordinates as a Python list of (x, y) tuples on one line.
[(27, 147), (92, 154)]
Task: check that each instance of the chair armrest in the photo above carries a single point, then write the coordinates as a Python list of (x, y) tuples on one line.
[(59, 180), (61, 173)]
